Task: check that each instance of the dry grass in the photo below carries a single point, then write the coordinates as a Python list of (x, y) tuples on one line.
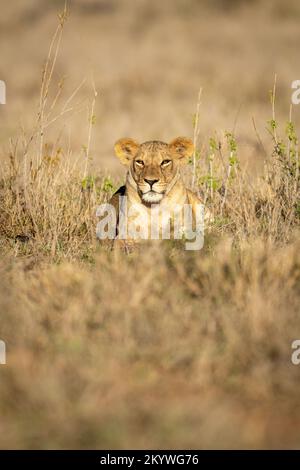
[(162, 348)]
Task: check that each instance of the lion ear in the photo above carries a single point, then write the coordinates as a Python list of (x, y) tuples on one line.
[(182, 148), (126, 149)]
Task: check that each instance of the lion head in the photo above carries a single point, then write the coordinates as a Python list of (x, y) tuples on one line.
[(154, 166)]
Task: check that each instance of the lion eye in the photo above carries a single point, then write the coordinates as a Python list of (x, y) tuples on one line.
[(139, 162), (165, 162)]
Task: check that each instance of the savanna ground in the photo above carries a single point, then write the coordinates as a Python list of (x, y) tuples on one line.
[(162, 348)]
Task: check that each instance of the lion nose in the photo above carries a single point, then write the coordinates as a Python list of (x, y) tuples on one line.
[(150, 182)]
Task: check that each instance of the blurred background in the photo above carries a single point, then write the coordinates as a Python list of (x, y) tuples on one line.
[(147, 60)]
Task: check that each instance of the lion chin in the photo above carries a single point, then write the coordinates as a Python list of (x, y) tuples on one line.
[(152, 198)]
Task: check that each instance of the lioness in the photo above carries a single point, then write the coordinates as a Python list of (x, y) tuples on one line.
[(155, 193)]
